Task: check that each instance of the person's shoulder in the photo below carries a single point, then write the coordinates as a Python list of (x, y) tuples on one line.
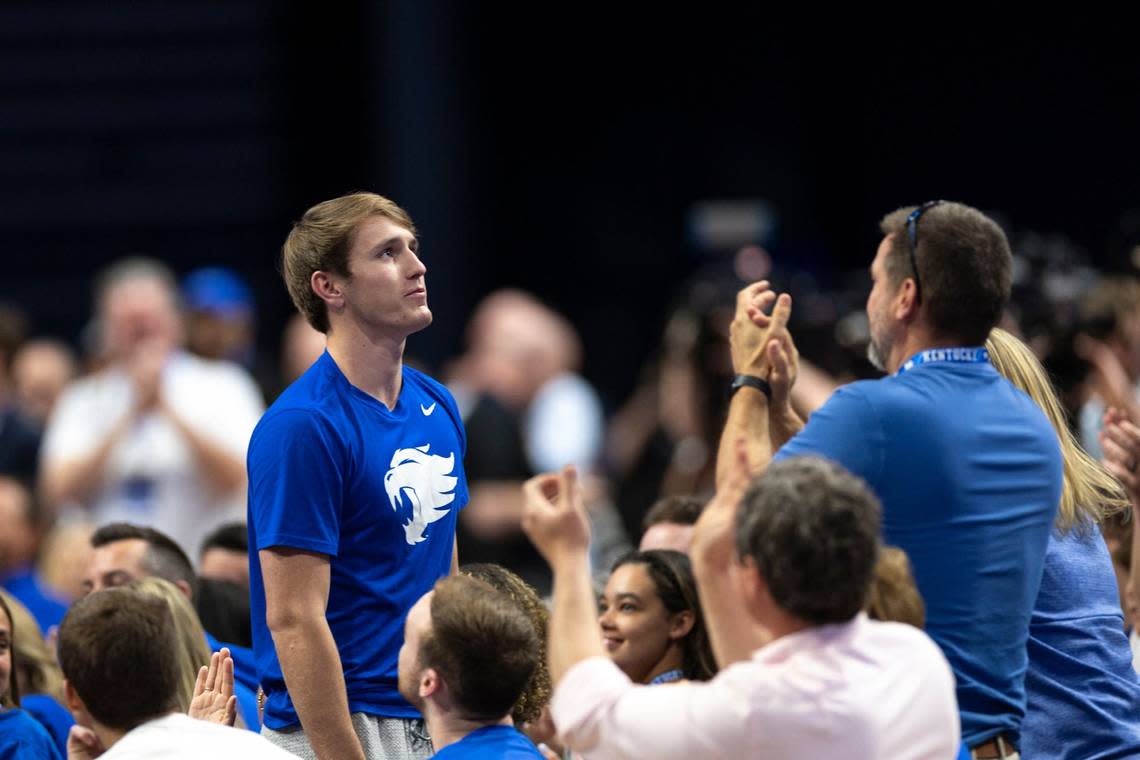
[(19, 726), (195, 371), (311, 393), (901, 639), (90, 388), (427, 383), (498, 742), (855, 398), (178, 730)]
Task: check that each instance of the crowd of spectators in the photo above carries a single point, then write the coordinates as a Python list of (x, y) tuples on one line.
[(124, 550)]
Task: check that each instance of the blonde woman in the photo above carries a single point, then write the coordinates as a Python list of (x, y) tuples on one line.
[(1083, 697), (193, 652)]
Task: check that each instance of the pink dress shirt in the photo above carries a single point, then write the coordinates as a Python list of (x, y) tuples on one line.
[(861, 690)]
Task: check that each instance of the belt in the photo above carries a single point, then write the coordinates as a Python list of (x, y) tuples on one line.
[(993, 749)]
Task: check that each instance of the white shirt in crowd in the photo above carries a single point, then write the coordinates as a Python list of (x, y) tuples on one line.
[(180, 737), (151, 477), (861, 690)]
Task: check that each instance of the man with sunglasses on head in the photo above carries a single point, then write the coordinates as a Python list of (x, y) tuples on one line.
[(967, 467)]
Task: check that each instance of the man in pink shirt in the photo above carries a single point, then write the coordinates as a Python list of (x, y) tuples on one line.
[(783, 563)]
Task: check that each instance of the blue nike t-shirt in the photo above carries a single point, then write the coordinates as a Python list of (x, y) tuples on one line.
[(968, 470), (334, 471), (491, 743)]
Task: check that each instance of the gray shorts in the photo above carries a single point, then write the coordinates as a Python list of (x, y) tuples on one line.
[(381, 738)]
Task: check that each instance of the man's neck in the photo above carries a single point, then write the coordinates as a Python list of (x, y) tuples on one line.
[(109, 736), (447, 728), (777, 623), (372, 363), (917, 339)]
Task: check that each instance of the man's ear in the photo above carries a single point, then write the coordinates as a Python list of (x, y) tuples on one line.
[(430, 683), (184, 587), (327, 287), (681, 623), (751, 585), (906, 303), (75, 705)]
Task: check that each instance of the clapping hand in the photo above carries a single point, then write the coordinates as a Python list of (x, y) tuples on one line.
[(1120, 441), (214, 700), (554, 518), (753, 330)]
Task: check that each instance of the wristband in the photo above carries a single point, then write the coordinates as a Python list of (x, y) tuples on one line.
[(751, 381)]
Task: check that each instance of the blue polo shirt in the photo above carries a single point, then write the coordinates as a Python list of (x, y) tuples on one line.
[(491, 743), (334, 471), (968, 470)]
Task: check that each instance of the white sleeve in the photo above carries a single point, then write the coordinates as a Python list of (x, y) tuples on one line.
[(74, 429), (599, 713)]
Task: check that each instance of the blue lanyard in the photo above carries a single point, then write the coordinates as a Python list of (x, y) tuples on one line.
[(667, 677), (958, 355)]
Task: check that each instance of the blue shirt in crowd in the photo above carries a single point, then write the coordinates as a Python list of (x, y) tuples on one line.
[(46, 608), (23, 738), (1083, 695), (968, 470), (334, 471), (491, 743), (52, 715)]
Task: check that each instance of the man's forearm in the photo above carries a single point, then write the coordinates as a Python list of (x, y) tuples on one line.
[(76, 479), (782, 427), (315, 679), (733, 633), (223, 470), (574, 633), (747, 421)]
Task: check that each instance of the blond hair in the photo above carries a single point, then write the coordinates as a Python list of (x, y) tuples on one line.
[(893, 595), (320, 242), (193, 652), (1088, 492), (34, 663)]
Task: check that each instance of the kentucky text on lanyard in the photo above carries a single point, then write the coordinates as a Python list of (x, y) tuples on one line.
[(977, 355)]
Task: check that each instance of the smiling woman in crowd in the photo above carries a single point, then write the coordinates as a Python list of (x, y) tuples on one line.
[(650, 616)]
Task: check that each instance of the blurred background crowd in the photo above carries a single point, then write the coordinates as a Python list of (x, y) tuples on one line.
[(590, 196)]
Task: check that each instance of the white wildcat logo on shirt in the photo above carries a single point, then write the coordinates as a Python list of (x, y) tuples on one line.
[(425, 482)]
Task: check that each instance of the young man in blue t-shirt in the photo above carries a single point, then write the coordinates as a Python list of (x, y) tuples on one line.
[(469, 651), (355, 480), (967, 467)]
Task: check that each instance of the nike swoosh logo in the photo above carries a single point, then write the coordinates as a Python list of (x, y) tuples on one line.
[(427, 410)]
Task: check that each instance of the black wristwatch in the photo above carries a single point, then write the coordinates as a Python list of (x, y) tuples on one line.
[(751, 381)]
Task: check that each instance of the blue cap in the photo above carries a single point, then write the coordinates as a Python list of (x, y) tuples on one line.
[(217, 289)]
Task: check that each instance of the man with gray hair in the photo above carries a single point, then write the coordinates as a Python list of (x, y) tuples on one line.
[(157, 437), (783, 563)]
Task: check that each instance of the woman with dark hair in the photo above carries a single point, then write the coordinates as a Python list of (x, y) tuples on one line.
[(651, 622), (21, 735)]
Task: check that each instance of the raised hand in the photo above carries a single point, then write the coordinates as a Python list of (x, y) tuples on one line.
[(749, 327), (714, 535), (1120, 441), (214, 700), (554, 518)]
